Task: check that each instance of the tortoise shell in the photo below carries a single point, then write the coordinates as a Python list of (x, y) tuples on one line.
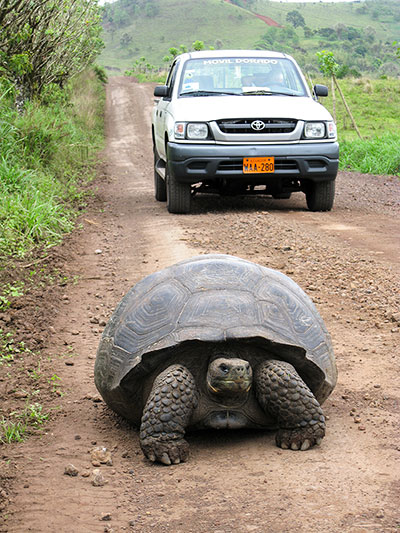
[(211, 299)]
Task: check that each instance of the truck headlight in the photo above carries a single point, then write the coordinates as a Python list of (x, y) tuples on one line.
[(314, 130), (196, 131), (193, 131)]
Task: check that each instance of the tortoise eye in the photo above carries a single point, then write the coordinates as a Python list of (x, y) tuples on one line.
[(224, 368)]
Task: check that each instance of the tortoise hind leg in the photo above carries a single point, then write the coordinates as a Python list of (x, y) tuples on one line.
[(282, 393), (166, 415)]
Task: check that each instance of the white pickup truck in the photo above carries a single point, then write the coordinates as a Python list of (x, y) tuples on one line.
[(242, 122)]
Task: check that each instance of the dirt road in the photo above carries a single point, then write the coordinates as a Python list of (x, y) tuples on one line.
[(347, 260)]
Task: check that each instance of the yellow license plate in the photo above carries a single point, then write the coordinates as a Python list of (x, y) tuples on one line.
[(257, 165)]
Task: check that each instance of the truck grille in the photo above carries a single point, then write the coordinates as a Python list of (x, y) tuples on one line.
[(243, 126)]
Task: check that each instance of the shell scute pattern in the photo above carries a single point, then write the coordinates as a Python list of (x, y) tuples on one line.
[(293, 316), (197, 276), (218, 308), (153, 317)]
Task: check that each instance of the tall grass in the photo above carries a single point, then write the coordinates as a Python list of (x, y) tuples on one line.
[(379, 155), (374, 105), (46, 156)]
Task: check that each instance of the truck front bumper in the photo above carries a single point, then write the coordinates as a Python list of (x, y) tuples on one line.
[(194, 163)]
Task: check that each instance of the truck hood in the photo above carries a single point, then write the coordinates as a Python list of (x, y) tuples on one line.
[(209, 108)]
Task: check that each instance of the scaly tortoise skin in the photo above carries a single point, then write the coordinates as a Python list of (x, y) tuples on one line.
[(216, 342)]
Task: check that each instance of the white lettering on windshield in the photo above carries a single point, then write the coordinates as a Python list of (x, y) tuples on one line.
[(216, 61), (238, 60)]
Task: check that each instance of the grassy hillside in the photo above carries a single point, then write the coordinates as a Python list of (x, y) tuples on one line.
[(360, 34), (382, 15), (138, 28), (214, 22)]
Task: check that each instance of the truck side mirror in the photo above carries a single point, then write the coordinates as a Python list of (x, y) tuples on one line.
[(161, 90), (320, 90)]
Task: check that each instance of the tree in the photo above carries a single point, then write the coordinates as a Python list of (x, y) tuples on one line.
[(308, 32), (327, 63), (125, 39), (296, 19), (329, 67), (340, 29), (47, 41), (173, 51), (151, 10), (328, 33), (198, 45), (369, 34)]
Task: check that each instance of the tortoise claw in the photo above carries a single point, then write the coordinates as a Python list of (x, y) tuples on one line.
[(165, 460), (167, 452), (151, 457), (300, 439)]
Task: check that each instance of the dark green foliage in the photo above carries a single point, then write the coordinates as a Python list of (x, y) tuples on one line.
[(124, 12), (45, 42), (100, 73), (296, 19)]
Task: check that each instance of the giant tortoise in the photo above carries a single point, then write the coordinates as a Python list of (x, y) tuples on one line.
[(216, 342)]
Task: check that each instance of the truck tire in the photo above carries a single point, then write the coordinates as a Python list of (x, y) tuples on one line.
[(160, 190), (178, 194), (320, 196)]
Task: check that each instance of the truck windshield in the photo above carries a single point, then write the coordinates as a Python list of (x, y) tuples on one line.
[(240, 76)]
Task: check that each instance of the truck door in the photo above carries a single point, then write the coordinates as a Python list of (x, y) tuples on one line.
[(162, 112)]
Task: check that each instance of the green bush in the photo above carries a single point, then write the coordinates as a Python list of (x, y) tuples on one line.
[(44, 153)]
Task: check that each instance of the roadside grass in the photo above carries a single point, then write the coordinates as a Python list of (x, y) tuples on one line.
[(379, 155), (374, 105), (47, 155), (19, 424)]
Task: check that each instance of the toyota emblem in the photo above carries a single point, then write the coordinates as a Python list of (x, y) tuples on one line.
[(257, 125)]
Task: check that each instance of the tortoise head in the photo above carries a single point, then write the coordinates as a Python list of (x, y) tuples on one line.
[(229, 376)]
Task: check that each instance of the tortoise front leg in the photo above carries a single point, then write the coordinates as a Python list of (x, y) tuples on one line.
[(166, 414), (283, 394)]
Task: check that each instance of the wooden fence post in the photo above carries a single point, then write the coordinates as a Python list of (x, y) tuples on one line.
[(346, 106)]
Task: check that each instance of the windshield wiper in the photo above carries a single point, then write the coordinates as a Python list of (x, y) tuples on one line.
[(209, 93), (265, 92)]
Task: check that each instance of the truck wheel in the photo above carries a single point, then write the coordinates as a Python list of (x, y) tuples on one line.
[(320, 196), (160, 190), (178, 194)]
